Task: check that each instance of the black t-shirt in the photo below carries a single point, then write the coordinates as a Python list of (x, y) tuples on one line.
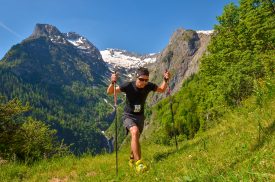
[(136, 97)]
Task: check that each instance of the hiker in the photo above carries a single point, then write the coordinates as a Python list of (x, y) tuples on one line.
[(133, 116)]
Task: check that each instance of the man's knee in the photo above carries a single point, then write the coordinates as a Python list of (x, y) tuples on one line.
[(134, 131)]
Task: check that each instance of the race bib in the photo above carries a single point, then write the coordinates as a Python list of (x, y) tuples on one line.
[(137, 108)]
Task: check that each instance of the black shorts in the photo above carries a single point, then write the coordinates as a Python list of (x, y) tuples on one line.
[(130, 120)]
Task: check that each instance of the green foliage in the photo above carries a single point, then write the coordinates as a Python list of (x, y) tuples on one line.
[(229, 151), (76, 107), (33, 140), (65, 88), (241, 52), (25, 139), (9, 116)]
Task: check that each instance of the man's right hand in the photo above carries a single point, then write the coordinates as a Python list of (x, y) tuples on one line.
[(114, 77)]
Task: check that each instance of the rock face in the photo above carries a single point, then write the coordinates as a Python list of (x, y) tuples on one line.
[(180, 57), (45, 30)]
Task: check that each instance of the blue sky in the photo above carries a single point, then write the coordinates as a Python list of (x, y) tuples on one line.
[(141, 26)]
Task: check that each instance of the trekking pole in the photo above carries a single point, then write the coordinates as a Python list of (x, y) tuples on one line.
[(115, 105), (171, 109)]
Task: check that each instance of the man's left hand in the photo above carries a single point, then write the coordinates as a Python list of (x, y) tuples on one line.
[(166, 76)]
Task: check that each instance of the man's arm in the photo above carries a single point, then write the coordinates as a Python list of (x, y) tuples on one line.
[(164, 84), (110, 89), (162, 87)]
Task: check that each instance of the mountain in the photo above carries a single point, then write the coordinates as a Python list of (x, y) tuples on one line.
[(126, 62), (63, 77), (182, 54), (181, 57), (66, 57)]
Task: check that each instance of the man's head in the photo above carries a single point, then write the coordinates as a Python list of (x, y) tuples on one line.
[(142, 71), (142, 77)]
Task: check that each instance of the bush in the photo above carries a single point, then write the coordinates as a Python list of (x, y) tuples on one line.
[(23, 138), (33, 141)]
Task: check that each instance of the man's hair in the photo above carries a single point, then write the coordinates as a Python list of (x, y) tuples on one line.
[(142, 71)]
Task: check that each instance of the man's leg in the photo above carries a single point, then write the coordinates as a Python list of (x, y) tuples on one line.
[(135, 146)]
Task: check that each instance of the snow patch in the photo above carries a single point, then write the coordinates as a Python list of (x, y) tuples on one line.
[(79, 43), (207, 32), (125, 59)]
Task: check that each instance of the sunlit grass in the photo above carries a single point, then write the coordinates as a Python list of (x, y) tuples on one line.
[(230, 151)]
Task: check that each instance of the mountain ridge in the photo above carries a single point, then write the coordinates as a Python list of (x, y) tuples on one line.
[(57, 65), (64, 84)]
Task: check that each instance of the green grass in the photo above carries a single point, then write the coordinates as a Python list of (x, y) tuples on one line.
[(230, 151)]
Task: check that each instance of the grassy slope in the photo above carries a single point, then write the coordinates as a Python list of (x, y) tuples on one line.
[(230, 151)]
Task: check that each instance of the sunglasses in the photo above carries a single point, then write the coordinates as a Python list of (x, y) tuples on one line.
[(143, 80)]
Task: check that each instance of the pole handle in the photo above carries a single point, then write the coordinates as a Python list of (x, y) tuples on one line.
[(115, 94)]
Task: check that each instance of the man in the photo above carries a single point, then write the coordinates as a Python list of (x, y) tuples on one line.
[(133, 115)]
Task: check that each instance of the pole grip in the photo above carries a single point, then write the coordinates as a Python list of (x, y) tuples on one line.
[(115, 94)]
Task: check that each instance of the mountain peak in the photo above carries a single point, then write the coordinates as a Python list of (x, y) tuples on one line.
[(70, 38), (78, 40), (45, 30)]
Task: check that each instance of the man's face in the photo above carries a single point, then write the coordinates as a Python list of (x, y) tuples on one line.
[(142, 81)]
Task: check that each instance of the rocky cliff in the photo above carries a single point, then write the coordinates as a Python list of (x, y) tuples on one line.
[(181, 57)]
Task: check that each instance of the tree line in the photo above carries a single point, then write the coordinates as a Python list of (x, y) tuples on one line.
[(241, 54)]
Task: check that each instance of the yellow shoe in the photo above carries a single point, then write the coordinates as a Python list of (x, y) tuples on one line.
[(131, 163), (141, 167)]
